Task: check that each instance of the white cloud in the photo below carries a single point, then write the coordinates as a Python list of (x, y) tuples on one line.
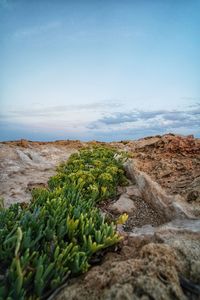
[(155, 120), (74, 117), (106, 120)]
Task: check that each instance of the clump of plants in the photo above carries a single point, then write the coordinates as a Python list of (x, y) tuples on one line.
[(56, 234)]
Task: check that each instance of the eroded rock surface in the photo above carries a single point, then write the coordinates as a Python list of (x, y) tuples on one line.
[(25, 165), (159, 257), (172, 161), (146, 268)]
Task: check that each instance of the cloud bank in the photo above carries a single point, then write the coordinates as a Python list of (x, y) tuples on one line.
[(103, 121), (151, 119)]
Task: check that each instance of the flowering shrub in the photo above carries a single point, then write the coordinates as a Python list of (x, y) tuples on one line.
[(56, 234)]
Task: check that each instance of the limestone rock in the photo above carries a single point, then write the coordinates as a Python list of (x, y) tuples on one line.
[(169, 206), (151, 273), (23, 167), (123, 205), (132, 190)]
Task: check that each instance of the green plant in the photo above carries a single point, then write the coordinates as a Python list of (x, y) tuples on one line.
[(55, 236)]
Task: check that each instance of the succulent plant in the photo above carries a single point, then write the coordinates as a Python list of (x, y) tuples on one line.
[(56, 234)]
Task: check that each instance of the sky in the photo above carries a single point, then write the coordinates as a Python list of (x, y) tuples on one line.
[(99, 70)]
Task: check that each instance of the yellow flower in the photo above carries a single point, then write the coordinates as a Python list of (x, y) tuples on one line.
[(104, 189), (122, 219)]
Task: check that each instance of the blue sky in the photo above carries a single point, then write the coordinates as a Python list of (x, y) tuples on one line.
[(106, 70)]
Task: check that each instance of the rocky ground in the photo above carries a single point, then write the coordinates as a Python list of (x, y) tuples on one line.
[(25, 165), (172, 161), (159, 257)]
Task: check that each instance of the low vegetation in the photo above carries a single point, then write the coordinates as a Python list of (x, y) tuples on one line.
[(54, 236)]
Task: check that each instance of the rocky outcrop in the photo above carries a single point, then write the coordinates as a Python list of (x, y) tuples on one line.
[(146, 268), (170, 207), (173, 162), (27, 166), (168, 156), (159, 255), (168, 143)]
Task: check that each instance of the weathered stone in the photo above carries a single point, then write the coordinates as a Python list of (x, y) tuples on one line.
[(172, 161), (22, 168), (151, 273), (192, 196), (123, 205), (169, 206), (119, 292), (121, 189), (132, 190)]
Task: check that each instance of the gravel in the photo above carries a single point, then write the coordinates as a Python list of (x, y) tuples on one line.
[(144, 215)]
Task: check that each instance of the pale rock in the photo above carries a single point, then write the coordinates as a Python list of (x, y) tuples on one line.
[(121, 189), (132, 190), (22, 168), (123, 205)]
